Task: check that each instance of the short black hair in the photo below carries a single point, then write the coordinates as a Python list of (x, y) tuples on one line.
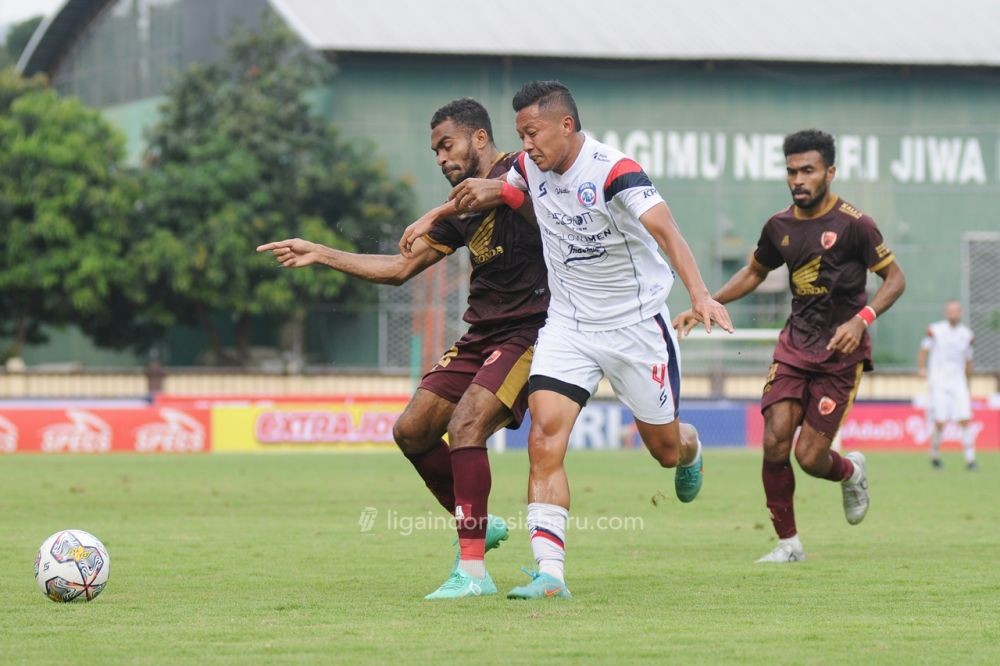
[(811, 139), (547, 94), (465, 112)]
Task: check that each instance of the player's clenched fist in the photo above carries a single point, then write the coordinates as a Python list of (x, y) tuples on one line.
[(475, 194)]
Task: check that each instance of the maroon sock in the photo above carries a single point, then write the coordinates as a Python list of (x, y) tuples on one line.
[(779, 488), (434, 467), (841, 468), (470, 466)]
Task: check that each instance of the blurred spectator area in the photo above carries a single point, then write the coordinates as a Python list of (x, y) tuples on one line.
[(72, 382)]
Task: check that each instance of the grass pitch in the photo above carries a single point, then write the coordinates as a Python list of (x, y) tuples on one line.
[(246, 559)]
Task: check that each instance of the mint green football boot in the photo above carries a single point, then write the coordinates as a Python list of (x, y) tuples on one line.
[(542, 586), (496, 531), (460, 584), (687, 480)]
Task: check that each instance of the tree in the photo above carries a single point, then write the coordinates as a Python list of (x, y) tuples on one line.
[(63, 208), (18, 37), (237, 159)]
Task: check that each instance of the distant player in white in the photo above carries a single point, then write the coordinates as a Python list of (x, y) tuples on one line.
[(602, 224), (945, 359)]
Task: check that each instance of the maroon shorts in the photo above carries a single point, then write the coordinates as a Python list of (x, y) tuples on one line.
[(498, 362), (825, 397)]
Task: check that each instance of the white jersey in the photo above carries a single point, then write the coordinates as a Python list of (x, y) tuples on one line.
[(949, 348), (605, 270)]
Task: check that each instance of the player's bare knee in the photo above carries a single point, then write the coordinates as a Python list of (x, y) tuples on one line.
[(410, 439), (776, 450), (811, 460)]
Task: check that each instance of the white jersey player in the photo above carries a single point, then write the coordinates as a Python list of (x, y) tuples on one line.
[(945, 359), (602, 224)]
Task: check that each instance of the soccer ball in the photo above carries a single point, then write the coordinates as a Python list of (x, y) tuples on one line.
[(72, 565)]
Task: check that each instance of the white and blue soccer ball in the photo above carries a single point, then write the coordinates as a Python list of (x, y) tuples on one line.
[(72, 565)]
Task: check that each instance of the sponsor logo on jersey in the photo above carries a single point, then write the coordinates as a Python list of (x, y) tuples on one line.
[(784, 241), (826, 405), (587, 195), (541, 189), (850, 210), (648, 192), (585, 253), (572, 220), (601, 157), (828, 239), (479, 244), (804, 277), (562, 190), (493, 357)]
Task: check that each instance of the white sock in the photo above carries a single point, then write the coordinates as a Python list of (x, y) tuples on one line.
[(547, 526), (697, 455), (969, 443), (935, 449), (475, 568), (793, 540), (855, 476)]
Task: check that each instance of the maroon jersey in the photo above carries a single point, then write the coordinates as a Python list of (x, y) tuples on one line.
[(828, 260), (509, 284)]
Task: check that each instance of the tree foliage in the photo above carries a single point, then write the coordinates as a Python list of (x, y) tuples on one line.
[(238, 159), (64, 209), (18, 37)]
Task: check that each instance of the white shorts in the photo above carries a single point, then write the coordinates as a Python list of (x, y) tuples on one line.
[(641, 363), (949, 401)]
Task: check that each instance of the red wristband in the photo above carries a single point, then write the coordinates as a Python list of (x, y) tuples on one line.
[(512, 197), (867, 315)]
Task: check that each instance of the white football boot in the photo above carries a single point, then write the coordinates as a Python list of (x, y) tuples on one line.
[(855, 490), (787, 550)]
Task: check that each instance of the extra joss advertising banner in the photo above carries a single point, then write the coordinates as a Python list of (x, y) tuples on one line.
[(276, 426)]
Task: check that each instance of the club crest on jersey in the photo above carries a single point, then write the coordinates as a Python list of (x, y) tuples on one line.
[(587, 195), (493, 357), (826, 405), (828, 239)]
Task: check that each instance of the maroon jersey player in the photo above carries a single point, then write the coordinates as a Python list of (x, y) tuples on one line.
[(829, 247), (480, 384)]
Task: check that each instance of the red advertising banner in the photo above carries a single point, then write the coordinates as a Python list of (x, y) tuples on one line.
[(874, 425), (96, 430)]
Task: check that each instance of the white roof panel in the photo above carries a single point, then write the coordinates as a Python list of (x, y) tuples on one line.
[(918, 32)]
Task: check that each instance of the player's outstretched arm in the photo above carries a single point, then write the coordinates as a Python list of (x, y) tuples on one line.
[(848, 335), (742, 283), (423, 225), (659, 221), (378, 268)]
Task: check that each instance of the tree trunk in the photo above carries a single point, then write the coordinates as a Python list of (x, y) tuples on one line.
[(21, 327), (243, 339), (213, 335)]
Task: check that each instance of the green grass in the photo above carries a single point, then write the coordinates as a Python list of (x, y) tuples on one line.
[(246, 559)]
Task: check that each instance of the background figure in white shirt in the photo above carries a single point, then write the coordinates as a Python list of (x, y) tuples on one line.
[(945, 359), (602, 224)]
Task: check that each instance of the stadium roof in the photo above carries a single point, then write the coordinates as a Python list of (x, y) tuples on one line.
[(904, 32), (924, 32)]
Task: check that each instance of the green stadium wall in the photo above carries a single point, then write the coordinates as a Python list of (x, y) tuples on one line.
[(918, 150)]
